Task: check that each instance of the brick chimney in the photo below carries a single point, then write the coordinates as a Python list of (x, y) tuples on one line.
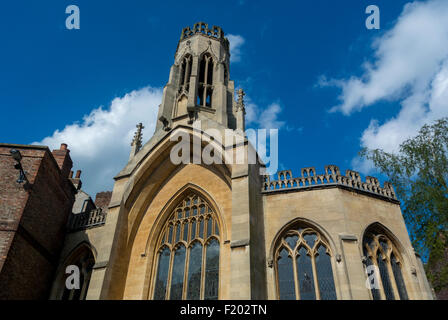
[(63, 159), (76, 180), (102, 199)]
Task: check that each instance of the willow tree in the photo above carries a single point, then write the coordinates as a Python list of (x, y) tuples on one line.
[(419, 173)]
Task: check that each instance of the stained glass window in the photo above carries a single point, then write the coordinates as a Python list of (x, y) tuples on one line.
[(304, 250), (186, 239), (381, 255)]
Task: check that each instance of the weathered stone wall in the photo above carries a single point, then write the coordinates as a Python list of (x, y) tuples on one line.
[(341, 216)]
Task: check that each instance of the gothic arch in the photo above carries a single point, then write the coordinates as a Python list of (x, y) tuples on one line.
[(303, 258), (379, 247), (305, 221), (163, 229), (172, 203), (209, 51), (136, 185), (83, 254)]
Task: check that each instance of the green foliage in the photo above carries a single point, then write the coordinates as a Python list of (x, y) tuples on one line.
[(419, 173)]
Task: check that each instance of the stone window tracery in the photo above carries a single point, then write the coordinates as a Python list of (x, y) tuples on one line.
[(185, 73), (84, 260), (188, 253), (205, 88), (304, 266), (380, 252)]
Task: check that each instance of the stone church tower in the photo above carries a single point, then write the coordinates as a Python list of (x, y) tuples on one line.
[(223, 231)]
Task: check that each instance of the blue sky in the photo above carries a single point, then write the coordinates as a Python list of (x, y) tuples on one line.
[(303, 57)]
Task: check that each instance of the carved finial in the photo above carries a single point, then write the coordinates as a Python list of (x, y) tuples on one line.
[(137, 141), (240, 103)]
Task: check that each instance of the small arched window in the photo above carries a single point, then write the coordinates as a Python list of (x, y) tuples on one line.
[(185, 72), (205, 88), (383, 267), (188, 253), (303, 265), (84, 260)]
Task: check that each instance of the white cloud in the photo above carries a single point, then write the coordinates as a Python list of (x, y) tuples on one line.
[(266, 118), (410, 65), (100, 144), (236, 42)]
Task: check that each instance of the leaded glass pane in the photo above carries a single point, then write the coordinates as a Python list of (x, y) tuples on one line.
[(170, 234), (177, 232), (285, 270), (385, 279), (310, 238), (370, 242), (305, 275), (292, 241), (179, 214), (185, 235), (325, 275), (162, 274), (383, 244), (399, 278), (209, 227), (193, 230), (371, 275), (187, 213), (177, 278), (201, 228), (194, 272), (216, 228), (212, 271)]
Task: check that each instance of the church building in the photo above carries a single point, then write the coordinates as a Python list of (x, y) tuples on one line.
[(225, 230)]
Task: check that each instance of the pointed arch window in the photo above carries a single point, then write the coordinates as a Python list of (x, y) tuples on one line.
[(383, 267), (303, 266), (205, 88), (185, 73), (188, 253), (84, 260)]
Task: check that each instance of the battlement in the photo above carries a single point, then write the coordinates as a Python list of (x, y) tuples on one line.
[(332, 177), (202, 28)]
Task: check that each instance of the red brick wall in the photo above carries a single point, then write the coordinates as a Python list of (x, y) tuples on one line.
[(102, 199), (32, 223)]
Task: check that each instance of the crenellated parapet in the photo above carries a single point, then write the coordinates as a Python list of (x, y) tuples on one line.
[(202, 28), (332, 177)]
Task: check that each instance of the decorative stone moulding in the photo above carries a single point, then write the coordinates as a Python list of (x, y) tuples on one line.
[(332, 177)]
